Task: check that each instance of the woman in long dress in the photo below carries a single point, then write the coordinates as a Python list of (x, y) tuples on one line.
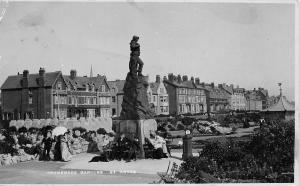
[(65, 150)]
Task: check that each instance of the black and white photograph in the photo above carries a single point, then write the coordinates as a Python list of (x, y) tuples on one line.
[(141, 92)]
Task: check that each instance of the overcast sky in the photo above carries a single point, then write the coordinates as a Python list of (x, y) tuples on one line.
[(250, 45)]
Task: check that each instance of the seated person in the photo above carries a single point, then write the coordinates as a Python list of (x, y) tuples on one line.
[(124, 148), (92, 147), (75, 145), (159, 145)]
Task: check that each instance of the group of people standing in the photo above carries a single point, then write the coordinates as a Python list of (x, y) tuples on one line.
[(45, 146)]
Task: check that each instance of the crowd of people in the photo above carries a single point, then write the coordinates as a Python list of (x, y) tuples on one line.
[(44, 146)]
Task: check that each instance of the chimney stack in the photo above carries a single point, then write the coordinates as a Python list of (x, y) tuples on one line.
[(212, 85), (73, 74), (184, 78), (231, 85), (157, 78), (179, 78), (192, 79), (197, 80), (42, 77), (25, 78), (25, 73), (165, 78), (42, 72), (170, 76)]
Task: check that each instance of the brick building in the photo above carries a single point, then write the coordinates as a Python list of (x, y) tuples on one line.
[(52, 95), (158, 97), (185, 96), (87, 96), (116, 90), (31, 95)]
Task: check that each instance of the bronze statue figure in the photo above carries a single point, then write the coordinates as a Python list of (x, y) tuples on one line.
[(135, 63)]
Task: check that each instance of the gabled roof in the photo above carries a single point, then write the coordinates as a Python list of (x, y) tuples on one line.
[(14, 82), (119, 84), (228, 89), (81, 82), (281, 105)]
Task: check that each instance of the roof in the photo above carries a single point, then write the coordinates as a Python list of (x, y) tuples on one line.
[(81, 82), (184, 84), (227, 88), (281, 105), (215, 92), (14, 82), (119, 84), (154, 87)]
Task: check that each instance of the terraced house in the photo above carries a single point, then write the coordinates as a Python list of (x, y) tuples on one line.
[(158, 97), (54, 95), (185, 96), (219, 99)]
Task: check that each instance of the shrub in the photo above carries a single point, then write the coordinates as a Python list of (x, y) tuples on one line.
[(180, 127)]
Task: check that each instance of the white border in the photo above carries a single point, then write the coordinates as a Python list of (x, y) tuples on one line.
[(297, 66)]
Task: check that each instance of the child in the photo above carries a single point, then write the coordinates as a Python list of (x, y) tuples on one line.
[(47, 143)]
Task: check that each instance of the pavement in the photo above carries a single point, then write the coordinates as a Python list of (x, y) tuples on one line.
[(80, 171)]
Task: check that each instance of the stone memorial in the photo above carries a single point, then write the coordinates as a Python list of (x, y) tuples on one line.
[(136, 119)]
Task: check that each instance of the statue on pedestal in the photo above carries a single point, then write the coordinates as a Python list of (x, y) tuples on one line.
[(135, 102)]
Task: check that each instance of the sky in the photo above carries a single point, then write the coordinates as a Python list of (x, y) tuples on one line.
[(245, 44)]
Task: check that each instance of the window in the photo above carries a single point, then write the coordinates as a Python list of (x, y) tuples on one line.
[(113, 99), (30, 100), (103, 88), (113, 90), (162, 90), (59, 85), (154, 99)]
